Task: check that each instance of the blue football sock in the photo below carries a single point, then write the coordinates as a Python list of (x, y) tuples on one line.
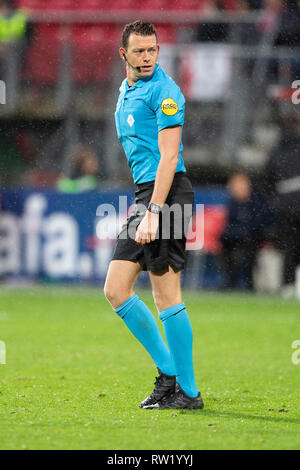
[(179, 335), (142, 324)]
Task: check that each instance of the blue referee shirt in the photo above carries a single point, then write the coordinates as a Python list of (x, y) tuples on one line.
[(150, 105)]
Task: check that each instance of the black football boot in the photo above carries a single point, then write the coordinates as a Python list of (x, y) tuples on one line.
[(164, 386)]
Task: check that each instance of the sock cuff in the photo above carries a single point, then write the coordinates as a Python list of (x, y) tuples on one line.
[(170, 311), (126, 306)]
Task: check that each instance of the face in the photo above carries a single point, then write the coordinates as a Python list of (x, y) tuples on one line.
[(142, 52), (240, 187), (90, 165)]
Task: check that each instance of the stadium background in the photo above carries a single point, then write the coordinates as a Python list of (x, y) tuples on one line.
[(70, 375), (62, 75)]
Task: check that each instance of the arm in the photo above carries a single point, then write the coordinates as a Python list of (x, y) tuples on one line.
[(168, 143)]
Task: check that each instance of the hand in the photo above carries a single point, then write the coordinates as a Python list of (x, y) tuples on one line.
[(147, 229)]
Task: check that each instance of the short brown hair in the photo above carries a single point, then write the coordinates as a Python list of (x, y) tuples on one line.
[(137, 27)]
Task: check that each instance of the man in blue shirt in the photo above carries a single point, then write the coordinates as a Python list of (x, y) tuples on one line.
[(149, 119), (143, 110)]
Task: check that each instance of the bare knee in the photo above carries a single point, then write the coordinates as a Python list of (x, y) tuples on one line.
[(116, 296), (109, 293), (120, 281), (165, 300)]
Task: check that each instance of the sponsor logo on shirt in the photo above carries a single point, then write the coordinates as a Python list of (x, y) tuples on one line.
[(169, 107)]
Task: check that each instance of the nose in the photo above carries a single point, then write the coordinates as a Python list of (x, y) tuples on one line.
[(146, 57)]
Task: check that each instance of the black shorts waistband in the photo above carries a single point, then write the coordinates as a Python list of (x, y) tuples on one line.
[(148, 184)]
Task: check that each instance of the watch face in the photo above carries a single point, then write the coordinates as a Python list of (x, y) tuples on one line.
[(154, 208)]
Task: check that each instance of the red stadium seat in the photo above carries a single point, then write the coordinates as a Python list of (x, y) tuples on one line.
[(94, 49), (166, 33), (152, 5), (94, 52), (59, 5), (94, 5), (124, 5), (42, 63), (229, 4), (32, 4), (185, 5), (48, 4)]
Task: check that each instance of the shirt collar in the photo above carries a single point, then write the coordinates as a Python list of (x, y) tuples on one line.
[(141, 81)]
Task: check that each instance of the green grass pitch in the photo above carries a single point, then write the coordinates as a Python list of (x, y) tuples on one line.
[(74, 375)]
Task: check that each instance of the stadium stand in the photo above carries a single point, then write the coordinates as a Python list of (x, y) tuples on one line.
[(30, 4), (87, 40), (47, 4), (179, 5), (92, 59), (220, 133), (43, 56), (94, 5)]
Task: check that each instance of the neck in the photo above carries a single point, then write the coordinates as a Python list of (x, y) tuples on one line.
[(131, 76), (130, 81)]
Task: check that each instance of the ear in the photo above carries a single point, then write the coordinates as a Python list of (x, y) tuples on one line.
[(122, 53)]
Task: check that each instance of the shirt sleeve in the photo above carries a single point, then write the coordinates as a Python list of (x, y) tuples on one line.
[(168, 104)]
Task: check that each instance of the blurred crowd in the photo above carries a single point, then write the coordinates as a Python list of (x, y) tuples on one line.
[(264, 215), (21, 148), (284, 15)]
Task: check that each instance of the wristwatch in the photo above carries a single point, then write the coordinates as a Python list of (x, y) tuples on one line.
[(154, 208)]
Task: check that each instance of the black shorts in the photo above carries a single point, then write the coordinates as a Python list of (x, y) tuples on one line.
[(168, 249)]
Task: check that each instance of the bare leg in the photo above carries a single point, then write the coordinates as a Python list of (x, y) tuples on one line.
[(120, 281), (166, 288)]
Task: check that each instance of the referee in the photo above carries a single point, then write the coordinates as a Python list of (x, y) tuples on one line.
[(149, 119)]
